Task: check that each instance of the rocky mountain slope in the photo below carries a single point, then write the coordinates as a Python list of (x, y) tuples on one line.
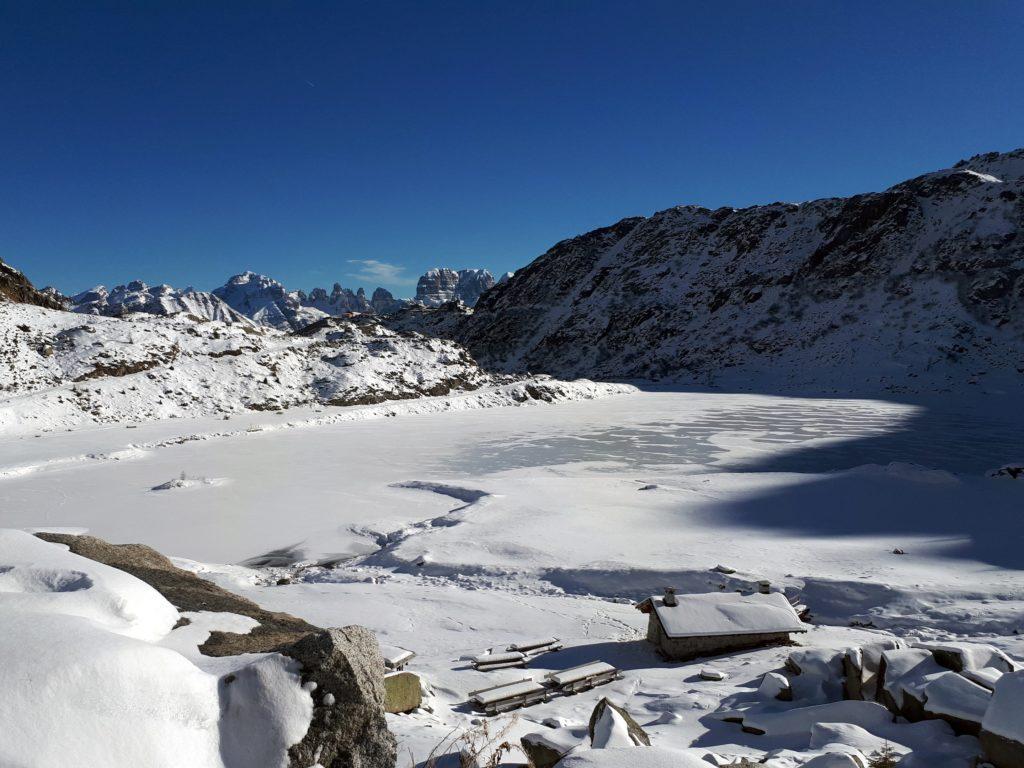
[(15, 287), (919, 287)]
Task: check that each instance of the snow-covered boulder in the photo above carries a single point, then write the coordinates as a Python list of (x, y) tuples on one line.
[(860, 668), (832, 758), (800, 720), (903, 674), (612, 726), (546, 747), (1002, 729), (955, 699), (964, 656), (775, 686)]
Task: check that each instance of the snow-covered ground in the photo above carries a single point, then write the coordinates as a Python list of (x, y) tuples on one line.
[(450, 533)]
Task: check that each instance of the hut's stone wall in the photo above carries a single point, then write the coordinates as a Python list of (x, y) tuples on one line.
[(686, 648)]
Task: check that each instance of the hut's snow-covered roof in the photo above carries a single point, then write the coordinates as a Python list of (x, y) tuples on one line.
[(727, 613)]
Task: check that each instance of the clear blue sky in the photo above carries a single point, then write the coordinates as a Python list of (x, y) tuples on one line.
[(183, 142)]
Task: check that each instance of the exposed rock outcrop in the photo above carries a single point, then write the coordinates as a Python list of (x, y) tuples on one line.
[(348, 728), (14, 286)]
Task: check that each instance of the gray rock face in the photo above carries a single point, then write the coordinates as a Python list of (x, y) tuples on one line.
[(351, 732), (266, 301), (384, 303), (440, 286), (818, 296), (339, 301)]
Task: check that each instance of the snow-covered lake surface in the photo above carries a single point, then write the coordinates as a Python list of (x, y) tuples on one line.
[(454, 532), (740, 461)]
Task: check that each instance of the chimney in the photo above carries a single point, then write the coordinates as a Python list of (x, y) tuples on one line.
[(670, 597)]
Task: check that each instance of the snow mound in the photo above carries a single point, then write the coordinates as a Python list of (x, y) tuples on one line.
[(639, 757), (41, 577), (1003, 716), (84, 682), (187, 482)]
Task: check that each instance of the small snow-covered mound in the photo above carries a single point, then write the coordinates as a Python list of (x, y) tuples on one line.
[(44, 577), (639, 757), (183, 481), (87, 682)]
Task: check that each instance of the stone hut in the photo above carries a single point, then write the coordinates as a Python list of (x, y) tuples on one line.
[(684, 627)]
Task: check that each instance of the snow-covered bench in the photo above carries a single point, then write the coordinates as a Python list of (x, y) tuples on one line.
[(396, 658), (536, 647), (491, 661), (509, 696), (583, 677)]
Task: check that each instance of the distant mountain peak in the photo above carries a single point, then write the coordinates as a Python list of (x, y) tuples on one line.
[(440, 285)]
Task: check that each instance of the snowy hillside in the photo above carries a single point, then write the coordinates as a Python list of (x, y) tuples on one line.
[(60, 369), (920, 287)]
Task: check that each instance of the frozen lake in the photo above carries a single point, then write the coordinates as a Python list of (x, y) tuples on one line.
[(752, 434), (329, 491)]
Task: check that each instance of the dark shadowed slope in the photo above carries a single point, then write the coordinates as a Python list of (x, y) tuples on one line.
[(918, 288)]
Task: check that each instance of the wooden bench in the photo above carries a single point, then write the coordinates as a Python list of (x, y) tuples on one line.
[(509, 696), (489, 661), (583, 677)]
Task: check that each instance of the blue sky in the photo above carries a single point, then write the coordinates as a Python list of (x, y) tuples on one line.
[(365, 142)]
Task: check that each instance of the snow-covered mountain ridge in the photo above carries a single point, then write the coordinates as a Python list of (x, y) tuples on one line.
[(136, 296), (58, 369), (265, 301), (918, 288)]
